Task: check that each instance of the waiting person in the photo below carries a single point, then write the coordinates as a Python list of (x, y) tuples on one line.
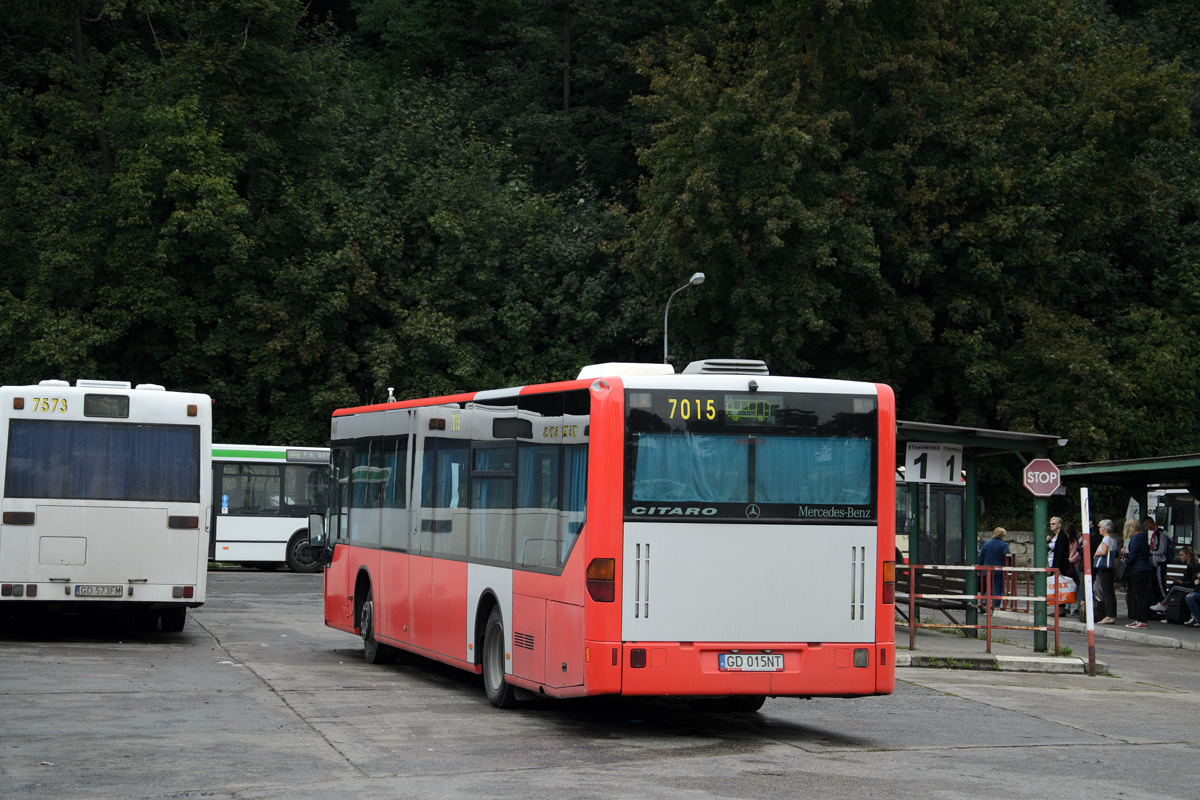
[(994, 553), (1105, 570), (1191, 569), (1140, 570), (1162, 552), (1191, 579), (1059, 550), (1074, 569), (1132, 526)]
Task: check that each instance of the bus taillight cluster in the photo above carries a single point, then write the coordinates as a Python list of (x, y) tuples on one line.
[(601, 579)]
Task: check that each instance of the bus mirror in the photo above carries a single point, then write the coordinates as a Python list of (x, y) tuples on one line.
[(316, 531)]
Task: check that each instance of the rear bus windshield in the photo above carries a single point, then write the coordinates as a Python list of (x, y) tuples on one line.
[(103, 461), (750, 456)]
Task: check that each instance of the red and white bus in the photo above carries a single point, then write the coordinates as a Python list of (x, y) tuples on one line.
[(721, 533)]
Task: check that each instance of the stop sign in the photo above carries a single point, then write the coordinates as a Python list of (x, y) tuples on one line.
[(1041, 477)]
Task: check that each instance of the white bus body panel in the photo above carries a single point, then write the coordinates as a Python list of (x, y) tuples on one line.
[(707, 582), (483, 578), (715, 582)]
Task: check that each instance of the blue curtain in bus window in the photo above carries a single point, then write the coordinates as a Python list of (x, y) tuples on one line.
[(685, 468), (103, 461), (537, 482), (575, 468), (393, 462), (444, 475), (491, 504), (537, 528), (365, 477), (807, 470)]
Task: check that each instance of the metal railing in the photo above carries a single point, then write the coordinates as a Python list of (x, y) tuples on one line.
[(1004, 578)]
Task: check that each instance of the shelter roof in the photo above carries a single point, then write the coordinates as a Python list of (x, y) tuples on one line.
[(1182, 471), (983, 441)]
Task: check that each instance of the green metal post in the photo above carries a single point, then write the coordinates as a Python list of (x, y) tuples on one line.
[(971, 534), (914, 525), (1041, 524)]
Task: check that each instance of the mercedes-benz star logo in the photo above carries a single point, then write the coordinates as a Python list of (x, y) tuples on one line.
[(752, 511)]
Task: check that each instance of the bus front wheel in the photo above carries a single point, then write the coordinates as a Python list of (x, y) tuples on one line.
[(499, 693), (373, 651)]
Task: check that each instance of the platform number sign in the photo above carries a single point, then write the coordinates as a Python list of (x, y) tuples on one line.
[(926, 462)]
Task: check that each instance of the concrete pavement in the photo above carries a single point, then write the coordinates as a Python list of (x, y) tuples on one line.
[(1012, 649)]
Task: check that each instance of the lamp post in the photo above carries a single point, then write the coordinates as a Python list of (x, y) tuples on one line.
[(696, 280)]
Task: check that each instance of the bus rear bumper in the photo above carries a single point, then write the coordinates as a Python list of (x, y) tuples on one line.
[(808, 670)]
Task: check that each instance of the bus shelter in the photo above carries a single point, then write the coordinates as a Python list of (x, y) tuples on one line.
[(937, 495), (1165, 486)]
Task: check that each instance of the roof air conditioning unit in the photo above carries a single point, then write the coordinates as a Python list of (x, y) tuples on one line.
[(727, 366)]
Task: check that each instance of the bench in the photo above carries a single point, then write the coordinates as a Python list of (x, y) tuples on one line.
[(933, 581), (1175, 573)]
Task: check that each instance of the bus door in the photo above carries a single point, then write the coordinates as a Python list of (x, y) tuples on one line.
[(941, 520), (339, 593)]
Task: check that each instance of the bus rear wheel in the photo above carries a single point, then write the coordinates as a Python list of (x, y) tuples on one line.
[(374, 652), (300, 557), (499, 693), (173, 619), (742, 703)]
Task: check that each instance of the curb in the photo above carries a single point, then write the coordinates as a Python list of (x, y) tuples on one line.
[(1157, 635), (983, 661)]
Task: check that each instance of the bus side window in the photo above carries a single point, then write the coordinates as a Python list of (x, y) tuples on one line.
[(340, 496)]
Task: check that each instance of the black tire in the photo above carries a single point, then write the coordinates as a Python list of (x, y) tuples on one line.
[(173, 619), (374, 651), (299, 556), (746, 703), (499, 693)]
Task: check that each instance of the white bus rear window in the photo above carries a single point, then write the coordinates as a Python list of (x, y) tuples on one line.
[(103, 461)]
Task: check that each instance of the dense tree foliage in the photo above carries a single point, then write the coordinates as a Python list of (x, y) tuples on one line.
[(990, 204)]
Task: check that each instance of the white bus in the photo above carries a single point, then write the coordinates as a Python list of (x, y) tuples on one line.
[(105, 499), (262, 497)]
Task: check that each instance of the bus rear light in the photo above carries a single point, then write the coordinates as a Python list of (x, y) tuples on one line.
[(601, 579), (637, 658), (186, 592), (6, 590), (189, 592), (31, 590), (183, 522), (889, 581), (19, 403), (18, 518), (862, 657)]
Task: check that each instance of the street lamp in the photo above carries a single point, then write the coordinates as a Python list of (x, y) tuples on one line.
[(696, 280)]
